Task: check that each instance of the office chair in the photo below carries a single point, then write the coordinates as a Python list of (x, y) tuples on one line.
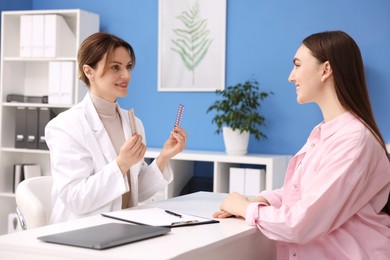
[(33, 201)]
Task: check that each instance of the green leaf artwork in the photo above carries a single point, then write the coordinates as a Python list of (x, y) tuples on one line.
[(192, 42)]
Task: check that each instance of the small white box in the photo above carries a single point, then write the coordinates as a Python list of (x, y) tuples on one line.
[(237, 180), (254, 181)]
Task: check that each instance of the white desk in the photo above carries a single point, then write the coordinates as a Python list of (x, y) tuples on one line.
[(230, 239)]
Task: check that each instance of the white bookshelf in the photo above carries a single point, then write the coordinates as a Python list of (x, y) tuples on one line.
[(183, 168), (29, 76)]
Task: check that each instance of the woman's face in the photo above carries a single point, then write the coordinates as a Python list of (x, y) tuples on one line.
[(306, 76), (114, 82)]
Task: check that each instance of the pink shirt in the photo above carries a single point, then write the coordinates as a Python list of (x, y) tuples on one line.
[(329, 206)]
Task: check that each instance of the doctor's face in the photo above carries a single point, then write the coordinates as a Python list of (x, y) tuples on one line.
[(113, 82)]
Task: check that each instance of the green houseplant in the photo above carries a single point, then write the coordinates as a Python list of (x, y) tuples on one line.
[(237, 110)]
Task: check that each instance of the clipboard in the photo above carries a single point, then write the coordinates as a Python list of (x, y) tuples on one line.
[(158, 217)]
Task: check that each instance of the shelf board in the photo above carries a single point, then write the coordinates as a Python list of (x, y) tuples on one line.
[(19, 150), (21, 104), (215, 156), (7, 195), (38, 59)]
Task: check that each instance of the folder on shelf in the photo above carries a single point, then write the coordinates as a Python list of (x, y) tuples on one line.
[(20, 127), (24, 171), (237, 180), (25, 36), (31, 170), (254, 181), (158, 217), (59, 40), (61, 82), (32, 128), (67, 82), (18, 175), (45, 115), (37, 35), (54, 82)]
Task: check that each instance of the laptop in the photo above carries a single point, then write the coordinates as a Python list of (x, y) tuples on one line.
[(105, 236)]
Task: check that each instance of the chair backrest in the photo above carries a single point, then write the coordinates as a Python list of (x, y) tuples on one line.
[(33, 201)]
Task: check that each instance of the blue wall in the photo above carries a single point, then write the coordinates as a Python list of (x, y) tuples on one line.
[(262, 37), (15, 5)]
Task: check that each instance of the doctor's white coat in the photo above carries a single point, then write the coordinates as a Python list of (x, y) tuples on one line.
[(87, 179)]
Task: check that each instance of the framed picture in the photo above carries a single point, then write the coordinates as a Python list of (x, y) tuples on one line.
[(191, 45)]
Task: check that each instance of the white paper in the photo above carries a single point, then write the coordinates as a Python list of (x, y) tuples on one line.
[(155, 217)]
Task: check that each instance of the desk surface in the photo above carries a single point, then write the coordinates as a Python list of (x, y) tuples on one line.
[(231, 238)]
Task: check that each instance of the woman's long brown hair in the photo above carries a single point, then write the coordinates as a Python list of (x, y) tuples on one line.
[(346, 61)]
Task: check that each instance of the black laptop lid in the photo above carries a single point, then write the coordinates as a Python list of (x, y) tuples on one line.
[(105, 235)]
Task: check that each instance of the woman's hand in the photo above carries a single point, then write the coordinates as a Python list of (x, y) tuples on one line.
[(174, 145), (131, 152), (234, 204)]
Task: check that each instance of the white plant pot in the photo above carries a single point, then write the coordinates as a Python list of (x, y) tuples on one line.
[(236, 143)]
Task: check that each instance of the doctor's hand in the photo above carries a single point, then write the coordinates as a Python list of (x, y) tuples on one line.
[(131, 152), (174, 145)]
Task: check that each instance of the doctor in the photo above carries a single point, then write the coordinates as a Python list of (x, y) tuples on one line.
[(97, 166)]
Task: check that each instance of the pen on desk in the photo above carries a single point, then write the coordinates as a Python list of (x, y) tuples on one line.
[(173, 213)]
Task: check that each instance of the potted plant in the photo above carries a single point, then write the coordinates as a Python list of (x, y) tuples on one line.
[(238, 115)]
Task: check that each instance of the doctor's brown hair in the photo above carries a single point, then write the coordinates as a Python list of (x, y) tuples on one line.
[(346, 62), (97, 46)]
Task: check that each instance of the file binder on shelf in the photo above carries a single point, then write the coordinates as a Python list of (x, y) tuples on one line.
[(18, 176), (25, 36), (67, 82), (59, 38), (32, 128), (61, 82), (45, 115), (37, 35), (46, 36), (24, 171), (20, 127), (30, 123), (31, 170)]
